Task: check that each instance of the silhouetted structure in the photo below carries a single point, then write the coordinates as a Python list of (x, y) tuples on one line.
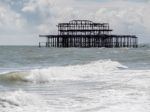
[(85, 33)]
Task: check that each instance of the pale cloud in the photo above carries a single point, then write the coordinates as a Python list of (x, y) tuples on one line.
[(124, 16), (10, 19)]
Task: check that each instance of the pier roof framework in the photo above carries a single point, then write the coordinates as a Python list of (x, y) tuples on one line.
[(85, 33)]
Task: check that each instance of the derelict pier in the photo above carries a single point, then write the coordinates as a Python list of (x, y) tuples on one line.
[(86, 34)]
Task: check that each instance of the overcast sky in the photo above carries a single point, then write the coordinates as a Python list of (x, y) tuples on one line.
[(21, 21)]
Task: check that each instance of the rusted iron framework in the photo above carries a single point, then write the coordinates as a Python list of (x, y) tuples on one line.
[(85, 33)]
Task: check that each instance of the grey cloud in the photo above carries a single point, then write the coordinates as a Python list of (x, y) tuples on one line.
[(42, 16), (116, 0)]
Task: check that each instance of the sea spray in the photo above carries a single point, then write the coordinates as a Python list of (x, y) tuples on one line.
[(73, 72), (21, 101), (70, 72)]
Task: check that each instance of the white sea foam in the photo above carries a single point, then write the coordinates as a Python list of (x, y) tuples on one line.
[(70, 72), (73, 72), (122, 90), (20, 101)]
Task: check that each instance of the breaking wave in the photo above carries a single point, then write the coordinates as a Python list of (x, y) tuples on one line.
[(71, 72), (21, 101)]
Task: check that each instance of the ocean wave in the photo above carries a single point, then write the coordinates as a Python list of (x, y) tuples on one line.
[(144, 46), (14, 76), (71, 72), (20, 101)]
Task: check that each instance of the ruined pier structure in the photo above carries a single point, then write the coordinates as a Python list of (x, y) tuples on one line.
[(86, 34)]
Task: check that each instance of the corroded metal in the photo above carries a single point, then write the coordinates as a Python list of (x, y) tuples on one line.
[(85, 33)]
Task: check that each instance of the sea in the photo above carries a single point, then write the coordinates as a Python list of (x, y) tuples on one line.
[(36, 79)]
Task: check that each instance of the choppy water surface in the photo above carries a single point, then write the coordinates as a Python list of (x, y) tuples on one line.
[(74, 80)]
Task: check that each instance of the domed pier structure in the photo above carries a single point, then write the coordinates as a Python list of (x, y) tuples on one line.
[(87, 34)]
